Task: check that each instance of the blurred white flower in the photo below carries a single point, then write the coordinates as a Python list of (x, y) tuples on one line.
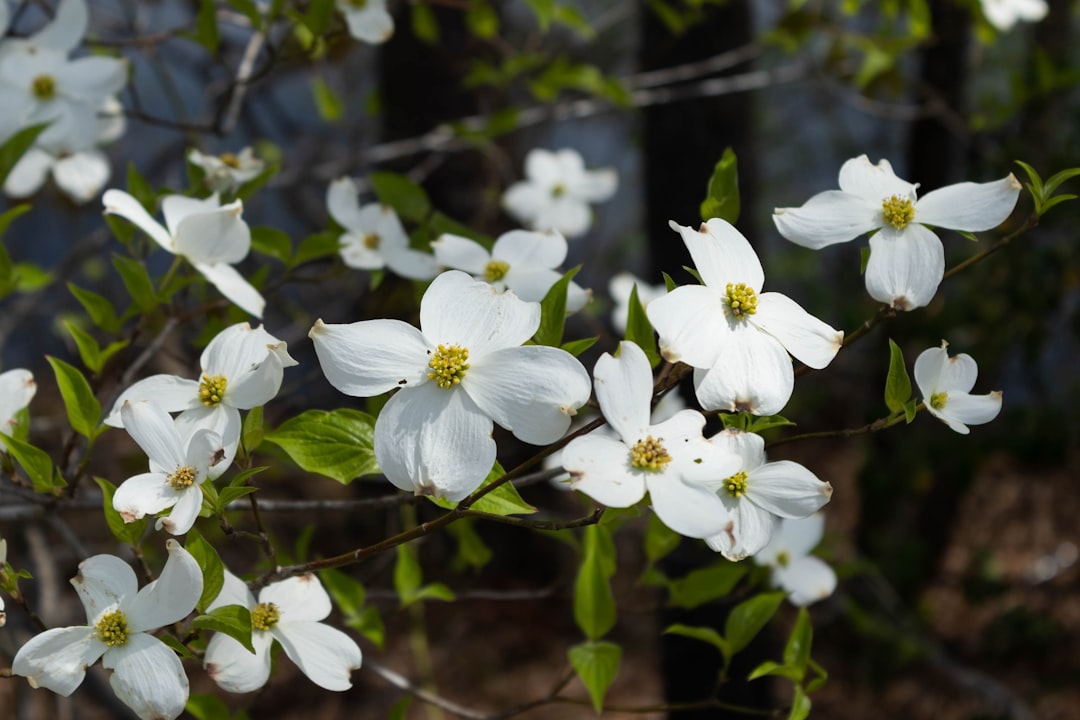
[(557, 192), (620, 288), (945, 385), (1003, 14), (368, 20), (17, 388), (806, 578), (226, 172)]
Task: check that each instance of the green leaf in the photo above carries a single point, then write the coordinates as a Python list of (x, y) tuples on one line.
[(722, 196), (140, 189), (407, 574), (399, 192), (748, 618), (553, 311), (316, 246), (250, 10), (137, 281), (773, 668), (800, 705), (212, 568), (35, 462), (435, 591), (576, 347), (897, 382), (233, 620), (207, 707), (471, 550), (93, 357), (99, 309), (130, 532), (16, 146), (761, 424), (229, 494), (910, 409), (330, 106), (1036, 184), (252, 432), (177, 647), (272, 243), (597, 664), (349, 595), (594, 605), (639, 330), (1057, 179), (797, 649), (705, 584), (503, 500), (704, 634), (659, 539), (864, 258), (571, 16), (544, 10), (482, 20), (400, 709), (206, 28), (424, 25), (336, 444), (83, 409)]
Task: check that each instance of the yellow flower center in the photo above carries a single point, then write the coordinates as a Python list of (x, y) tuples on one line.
[(736, 484), (741, 299), (558, 190), (43, 87), (231, 160), (371, 241), (898, 211), (783, 559), (938, 400), (265, 616), (212, 389), (182, 478), (649, 454), (448, 365), (112, 629), (496, 270)]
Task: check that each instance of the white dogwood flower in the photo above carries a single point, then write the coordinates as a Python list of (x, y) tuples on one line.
[(288, 611), (17, 389), (907, 260), (226, 172), (737, 337), (178, 467), (804, 577), (758, 494), (945, 384), (557, 192), (461, 371), (671, 460), (3, 542), (211, 236), (374, 237), (242, 368), (1003, 14), (520, 260), (368, 20), (146, 674), (620, 286)]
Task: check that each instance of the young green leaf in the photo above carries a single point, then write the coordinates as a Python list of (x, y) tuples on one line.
[(897, 382), (722, 196), (704, 584), (748, 618), (594, 605), (15, 146), (503, 500), (212, 568), (797, 649), (124, 532), (83, 409), (99, 309), (704, 634), (206, 28), (659, 539), (36, 462), (399, 192), (233, 620), (272, 243), (639, 330), (553, 311), (91, 354), (252, 432), (337, 444), (597, 664)]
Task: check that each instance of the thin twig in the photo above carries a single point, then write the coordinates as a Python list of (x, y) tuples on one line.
[(401, 682)]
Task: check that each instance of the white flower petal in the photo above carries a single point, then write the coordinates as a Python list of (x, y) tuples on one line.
[(244, 356), (141, 495), (17, 388), (66, 30), (216, 237), (748, 446), (905, 267), (223, 421), (524, 200), (599, 466), (691, 510), (29, 173), (372, 24), (787, 489), (371, 356), (969, 206), (154, 431), (458, 310), (749, 531), (532, 391), (118, 202), (169, 598), (343, 203), (325, 654), (234, 287), (753, 373), (104, 582), (533, 284), (808, 579), (566, 214), (810, 340), (531, 249), (722, 255), (545, 167), (82, 175), (234, 591), (148, 677), (799, 536), (233, 667), (873, 183), (357, 255), (595, 185), (460, 253), (827, 218), (184, 512), (928, 369), (57, 659), (691, 324), (434, 441), (411, 264), (91, 79), (298, 598), (962, 410), (624, 389), (958, 374), (170, 393), (176, 208)]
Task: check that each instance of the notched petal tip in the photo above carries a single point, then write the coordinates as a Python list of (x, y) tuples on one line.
[(318, 328), (1014, 183), (172, 546)]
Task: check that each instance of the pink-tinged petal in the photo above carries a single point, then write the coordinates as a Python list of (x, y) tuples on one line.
[(153, 430), (533, 391), (691, 323), (873, 183), (928, 368), (962, 410), (170, 393), (29, 173), (753, 373), (458, 310), (808, 579), (223, 421), (299, 598), (749, 530), (524, 201), (372, 356), (460, 253), (810, 340), (600, 467), (595, 185), (148, 677), (104, 582), (171, 597), (67, 28), (434, 441), (325, 654), (57, 659), (184, 512), (118, 202), (624, 389), (373, 24), (343, 203), (82, 175), (748, 446), (688, 509), (787, 489), (234, 591), (828, 218), (141, 495), (722, 255), (176, 208), (905, 267), (217, 237), (565, 214), (411, 264), (234, 287), (969, 206), (531, 249), (233, 667)]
